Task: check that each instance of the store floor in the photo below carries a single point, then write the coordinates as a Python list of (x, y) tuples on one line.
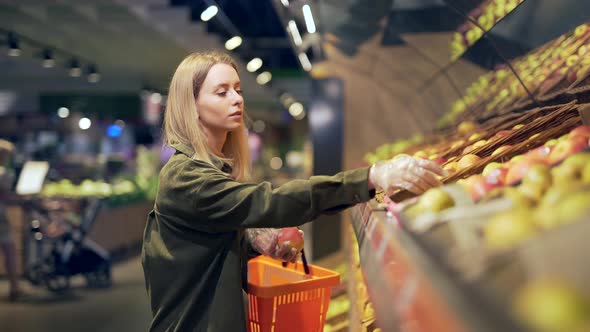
[(123, 307)]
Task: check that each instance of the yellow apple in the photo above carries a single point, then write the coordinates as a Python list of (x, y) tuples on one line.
[(508, 229), (551, 305), (467, 161)]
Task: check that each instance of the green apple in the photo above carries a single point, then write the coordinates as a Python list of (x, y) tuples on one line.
[(586, 174), (532, 190), (508, 229), (490, 167), (550, 305), (538, 174), (573, 207), (551, 142), (435, 200)]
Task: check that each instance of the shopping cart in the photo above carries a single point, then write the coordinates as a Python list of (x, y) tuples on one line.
[(286, 298)]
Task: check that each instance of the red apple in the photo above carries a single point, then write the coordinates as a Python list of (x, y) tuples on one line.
[(497, 175), (583, 131), (540, 154), (293, 236), (479, 186), (518, 170), (567, 148), (501, 133), (439, 161)]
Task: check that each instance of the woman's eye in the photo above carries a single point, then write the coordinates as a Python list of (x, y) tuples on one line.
[(222, 94), (239, 92)]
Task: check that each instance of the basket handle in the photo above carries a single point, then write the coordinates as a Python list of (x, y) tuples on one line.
[(305, 265)]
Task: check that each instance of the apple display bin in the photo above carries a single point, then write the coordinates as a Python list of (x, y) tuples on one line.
[(286, 298)]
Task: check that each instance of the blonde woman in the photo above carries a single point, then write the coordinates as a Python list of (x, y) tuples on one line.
[(6, 242), (194, 245)]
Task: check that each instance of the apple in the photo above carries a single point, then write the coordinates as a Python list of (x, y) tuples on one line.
[(551, 142), (490, 167), (292, 237), (451, 167), (435, 200), (510, 228), (516, 159), (517, 171), (498, 174), (468, 149), (439, 161), (474, 137), (457, 144), (534, 191), (518, 199), (540, 154), (586, 174), (573, 207), (567, 148), (481, 186), (581, 30), (420, 154), (501, 133), (467, 161), (466, 127), (583, 131), (534, 136), (538, 174), (501, 149), (551, 305)]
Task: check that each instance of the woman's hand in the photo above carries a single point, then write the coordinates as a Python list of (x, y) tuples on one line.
[(405, 172), (266, 242)]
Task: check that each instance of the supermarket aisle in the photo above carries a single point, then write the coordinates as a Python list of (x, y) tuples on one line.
[(123, 307)]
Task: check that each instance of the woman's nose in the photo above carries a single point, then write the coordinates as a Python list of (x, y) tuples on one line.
[(237, 98)]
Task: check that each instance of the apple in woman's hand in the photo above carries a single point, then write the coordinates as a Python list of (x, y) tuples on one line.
[(293, 236)]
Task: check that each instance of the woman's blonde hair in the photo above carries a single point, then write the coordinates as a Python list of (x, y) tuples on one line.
[(181, 124)]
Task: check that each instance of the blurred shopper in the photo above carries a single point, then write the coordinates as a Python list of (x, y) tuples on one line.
[(197, 236), (6, 242)]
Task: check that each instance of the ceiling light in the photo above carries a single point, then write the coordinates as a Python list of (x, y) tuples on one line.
[(84, 123), (296, 109), (285, 3), (263, 78), (295, 33), (48, 60), (209, 13), (304, 61), (13, 48), (93, 75), (233, 42), (308, 19), (156, 98), (300, 116), (276, 163), (63, 112), (254, 65), (75, 70)]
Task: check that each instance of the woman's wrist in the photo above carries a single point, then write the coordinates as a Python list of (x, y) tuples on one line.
[(371, 185)]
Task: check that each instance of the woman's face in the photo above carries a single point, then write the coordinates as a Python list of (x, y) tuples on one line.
[(220, 104)]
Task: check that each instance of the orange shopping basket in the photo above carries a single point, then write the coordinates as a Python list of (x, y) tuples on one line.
[(285, 299)]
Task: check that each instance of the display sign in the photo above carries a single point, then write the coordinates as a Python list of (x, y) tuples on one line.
[(32, 176)]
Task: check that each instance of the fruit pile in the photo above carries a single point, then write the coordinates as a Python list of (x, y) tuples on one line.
[(564, 60), (119, 192), (486, 15), (534, 166)]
